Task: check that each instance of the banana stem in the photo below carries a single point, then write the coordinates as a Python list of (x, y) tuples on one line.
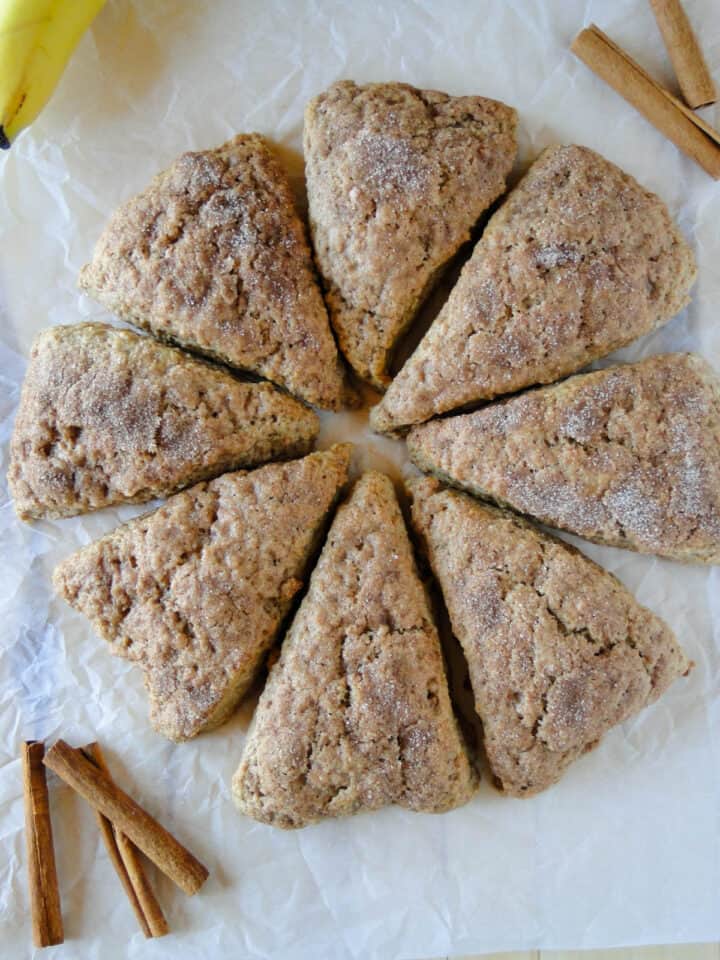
[(4, 142)]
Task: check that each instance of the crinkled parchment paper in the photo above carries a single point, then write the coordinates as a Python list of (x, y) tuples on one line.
[(626, 849)]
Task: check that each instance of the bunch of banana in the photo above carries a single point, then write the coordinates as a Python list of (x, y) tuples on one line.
[(37, 38)]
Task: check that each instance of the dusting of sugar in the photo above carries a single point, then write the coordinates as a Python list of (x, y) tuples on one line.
[(416, 740), (556, 255), (690, 467), (485, 602), (500, 419), (556, 501), (391, 166), (480, 300), (586, 415), (569, 708), (633, 508), (509, 352), (581, 421)]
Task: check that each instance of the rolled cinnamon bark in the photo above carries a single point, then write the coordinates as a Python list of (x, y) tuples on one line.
[(125, 858), (671, 117), (47, 925), (127, 816), (685, 53)]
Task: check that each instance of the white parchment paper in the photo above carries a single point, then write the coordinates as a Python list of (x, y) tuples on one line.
[(626, 849)]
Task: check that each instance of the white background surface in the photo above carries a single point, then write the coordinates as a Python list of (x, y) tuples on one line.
[(627, 848)]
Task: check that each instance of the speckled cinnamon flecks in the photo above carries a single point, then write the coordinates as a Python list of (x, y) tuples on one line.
[(579, 261), (213, 257), (397, 178), (107, 416), (558, 650), (356, 713), (195, 592), (628, 456)]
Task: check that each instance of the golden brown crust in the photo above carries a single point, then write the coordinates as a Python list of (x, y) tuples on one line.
[(212, 256), (628, 456), (107, 416), (196, 591), (356, 713), (579, 261), (558, 650), (397, 178)]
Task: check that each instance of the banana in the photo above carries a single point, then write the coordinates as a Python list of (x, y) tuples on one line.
[(37, 38)]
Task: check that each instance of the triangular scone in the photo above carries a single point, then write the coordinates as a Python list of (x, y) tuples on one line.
[(558, 650), (397, 178), (356, 713), (212, 256), (628, 456), (107, 416), (195, 592), (579, 261)]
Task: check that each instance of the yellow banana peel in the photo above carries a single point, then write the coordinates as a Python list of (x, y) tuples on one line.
[(37, 38)]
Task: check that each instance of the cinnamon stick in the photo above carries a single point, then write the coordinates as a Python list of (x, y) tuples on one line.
[(669, 115), (47, 925), (127, 816), (687, 58), (125, 858), (152, 911)]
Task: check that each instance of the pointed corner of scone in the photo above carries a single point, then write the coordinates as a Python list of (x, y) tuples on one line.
[(342, 452), (397, 179), (419, 436), (578, 261), (356, 713), (381, 421), (213, 256), (196, 592), (559, 651), (421, 488), (85, 278)]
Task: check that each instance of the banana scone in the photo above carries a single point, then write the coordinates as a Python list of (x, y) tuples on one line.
[(579, 261), (397, 178), (628, 456), (356, 713), (558, 650), (196, 591), (107, 416), (213, 257)]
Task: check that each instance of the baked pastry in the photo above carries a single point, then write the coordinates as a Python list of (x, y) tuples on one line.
[(397, 178), (213, 257), (195, 592), (628, 456), (558, 650), (107, 416), (356, 712), (579, 261)]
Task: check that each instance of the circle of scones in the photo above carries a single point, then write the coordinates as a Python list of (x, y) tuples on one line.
[(357, 712)]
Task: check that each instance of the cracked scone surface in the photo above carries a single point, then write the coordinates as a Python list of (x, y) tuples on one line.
[(107, 416), (579, 261), (397, 178), (356, 713), (558, 650), (628, 456), (195, 592), (213, 257)]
